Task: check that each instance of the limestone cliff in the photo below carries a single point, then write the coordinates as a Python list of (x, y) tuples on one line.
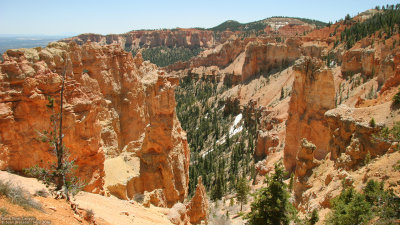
[(119, 118), (190, 38), (313, 94)]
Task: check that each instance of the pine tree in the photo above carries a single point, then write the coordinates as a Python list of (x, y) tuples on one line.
[(314, 217), (242, 190), (60, 172), (271, 204)]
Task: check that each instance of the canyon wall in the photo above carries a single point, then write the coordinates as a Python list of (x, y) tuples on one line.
[(264, 57), (359, 61), (313, 94), (119, 118), (221, 56), (190, 38)]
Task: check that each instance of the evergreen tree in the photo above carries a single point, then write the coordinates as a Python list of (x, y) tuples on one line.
[(282, 94), (242, 190), (314, 217), (350, 208), (271, 204)]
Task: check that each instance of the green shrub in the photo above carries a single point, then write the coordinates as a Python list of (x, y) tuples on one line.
[(18, 196), (397, 166), (373, 191), (372, 122), (314, 218), (396, 99), (4, 211), (367, 158), (89, 215), (350, 208), (389, 135)]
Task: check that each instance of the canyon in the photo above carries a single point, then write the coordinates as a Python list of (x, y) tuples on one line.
[(169, 144)]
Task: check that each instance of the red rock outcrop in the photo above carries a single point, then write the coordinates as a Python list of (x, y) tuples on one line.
[(262, 57), (190, 38), (313, 94), (195, 211), (119, 118), (178, 215), (197, 208), (305, 162), (155, 197), (266, 142), (291, 30), (351, 141), (221, 56), (359, 61), (389, 73)]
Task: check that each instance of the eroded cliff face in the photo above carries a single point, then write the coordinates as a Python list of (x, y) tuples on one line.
[(313, 94), (119, 118), (352, 140), (221, 56), (242, 59), (262, 57), (305, 162), (359, 61), (190, 38)]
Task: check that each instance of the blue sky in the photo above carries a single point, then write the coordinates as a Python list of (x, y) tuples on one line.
[(56, 17)]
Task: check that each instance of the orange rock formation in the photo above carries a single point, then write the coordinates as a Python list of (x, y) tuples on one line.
[(197, 208), (313, 94), (119, 118), (152, 38)]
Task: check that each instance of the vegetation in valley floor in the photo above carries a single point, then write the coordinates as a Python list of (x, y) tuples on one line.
[(220, 134), (164, 56)]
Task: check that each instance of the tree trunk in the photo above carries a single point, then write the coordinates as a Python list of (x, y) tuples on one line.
[(59, 146)]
